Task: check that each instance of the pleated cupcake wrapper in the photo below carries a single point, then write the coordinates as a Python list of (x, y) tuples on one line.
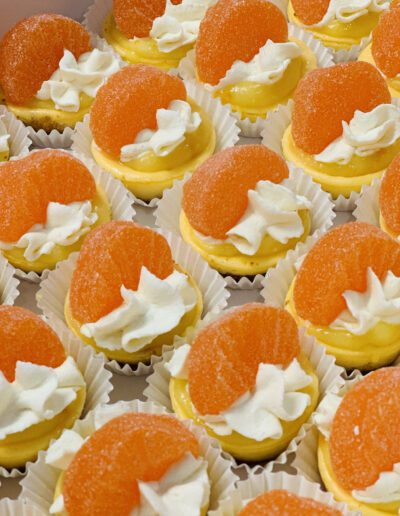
[(8, 283), (53, 291), (258, 484), (169, 208), (120, 199), (19, 141), (367, 205), (20, 507), (94, 17), (250, 129), (97, 379), (344, 56), (39, 484)]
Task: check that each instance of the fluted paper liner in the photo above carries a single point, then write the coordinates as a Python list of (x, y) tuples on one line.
[(367, 205), (120, 199), (39, 485), (94, 17), (258, 484), (53, 291), (168, 212), (344, 56), (8, 283), (19, 141), (20, 507), (97, 379)]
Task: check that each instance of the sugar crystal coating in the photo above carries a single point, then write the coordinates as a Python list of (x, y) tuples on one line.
[(386, 42), (310, 12), (389, 196)]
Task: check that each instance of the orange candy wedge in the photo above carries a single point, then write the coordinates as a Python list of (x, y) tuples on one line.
[(389, 196), (310, 12), (224, 357), (338, 262), (27, 185), (235, 30), (283, 503), (113, 255), (128, 103), (365, 436), (326, 97), (386, 42), (102, 478), (215, 197), (31, 51), (25, 337)]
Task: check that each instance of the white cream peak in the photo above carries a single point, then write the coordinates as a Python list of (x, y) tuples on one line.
[(346, 11)]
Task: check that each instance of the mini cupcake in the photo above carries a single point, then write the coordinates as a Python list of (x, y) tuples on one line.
[(14, 136), (49, 71)]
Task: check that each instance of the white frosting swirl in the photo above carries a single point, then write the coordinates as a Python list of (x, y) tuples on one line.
[(347, 11), (365, 134), (38, 393), (4, 136), (379, 303), (179, 25), (266, 67), (272, 210), (73, 77), (172, 125), (65, 225), (155, 308)]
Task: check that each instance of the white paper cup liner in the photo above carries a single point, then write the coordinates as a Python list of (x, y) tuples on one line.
[(367, 205), (258, 484), (344, 56), (20, 507), (322, 215), (53, 291), (53, 140), (120, 199), (8, 283), (97, 379), (94, 17), (39, 484), (19, 141)]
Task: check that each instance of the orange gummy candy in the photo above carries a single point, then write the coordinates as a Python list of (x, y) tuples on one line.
[(326, 97), (27, 185), (284, 503), (128, 103), (25, 337), (365, 435), (386, 42), (235, 30), (215, 197), (30, 53), (102, 477), (113, 255), (310, 12), (389, 195), (338, 262), (224, 357)]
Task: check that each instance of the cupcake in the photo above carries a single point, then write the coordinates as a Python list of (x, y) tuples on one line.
[(342, 135), (49, 71), (339, 25), (247, 380), (42, 389), (50, 202), (345, 294)]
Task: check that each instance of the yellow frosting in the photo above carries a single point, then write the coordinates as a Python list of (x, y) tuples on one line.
[(241, 447), (141, 50), (339, 35), (5, 155), (332, 485), (154, 348), (19, 448), (393, 83), (149, 175), (340, 179), (227, 259), (16, 257), (252, 100), (376, 348)]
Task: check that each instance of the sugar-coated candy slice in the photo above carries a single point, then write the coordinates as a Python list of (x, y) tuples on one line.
[(31, 51), (365, 435), (113, 255), (128, 103), (224, 357), (339, 261), (326, 97), (235, 30), (102, 477), (389, 196), (310, 12), (386, 42), (215, 197), (25, 337), (284, 503)]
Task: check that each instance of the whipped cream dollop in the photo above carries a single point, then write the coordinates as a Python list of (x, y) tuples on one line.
[(365, 134), (155, 308), (65, 225), (347, 11), (4, 136), (73, 77), (179, 25), (266, 67), (172, 126), (379, 303), (38, 393), (272, 210), (257, 414)]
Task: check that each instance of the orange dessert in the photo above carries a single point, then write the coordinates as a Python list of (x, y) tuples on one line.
[(389, 199)]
